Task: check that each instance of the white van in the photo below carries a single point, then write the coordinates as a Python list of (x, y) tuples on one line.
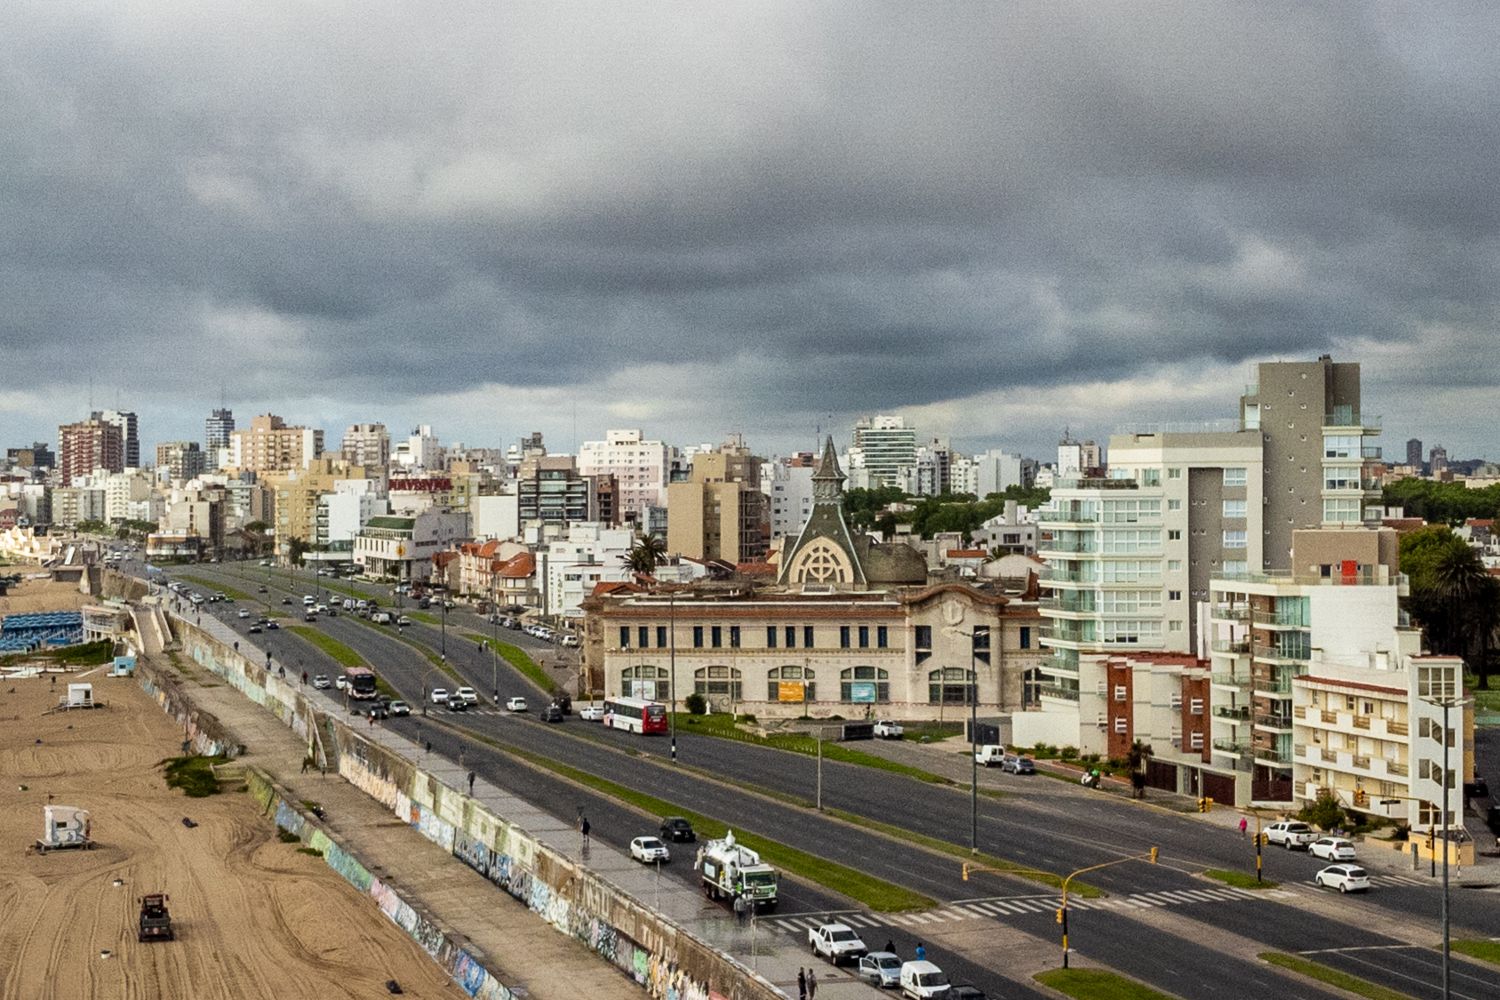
[(989, 755), (923, 979)]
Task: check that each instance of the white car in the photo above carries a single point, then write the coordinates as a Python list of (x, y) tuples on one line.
[(341, 682), (516, 704), (569, 640), (400, 708), (242, 613), (591, 713), (308, 600), (1331, 849), (1344, 878), (835, 942), (880, 968), (468, 694), (649, 849), (888, 730), (321, 682), (439, 696), (1290, 834)]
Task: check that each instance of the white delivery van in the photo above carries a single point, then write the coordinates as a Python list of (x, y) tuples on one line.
[(989, 755), (923, 979)]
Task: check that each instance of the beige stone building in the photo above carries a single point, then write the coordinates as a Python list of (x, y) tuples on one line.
[(269, 445), (721, 512)]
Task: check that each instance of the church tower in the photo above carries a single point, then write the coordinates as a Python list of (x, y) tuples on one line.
[(825, 555)]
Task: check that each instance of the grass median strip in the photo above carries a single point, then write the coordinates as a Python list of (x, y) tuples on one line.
[(989, 862), (340, 652), (723, 727), (1485, 951), (1098, 984), (218, 588), (1240, 880), (1333, 977), (516, 657), (877, 894)]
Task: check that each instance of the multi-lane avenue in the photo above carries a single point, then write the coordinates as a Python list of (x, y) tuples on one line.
[(1161, 924)]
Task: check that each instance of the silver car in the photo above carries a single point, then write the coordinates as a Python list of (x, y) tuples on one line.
[(880, 968)]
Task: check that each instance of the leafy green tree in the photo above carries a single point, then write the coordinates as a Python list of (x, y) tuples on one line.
[(1140, 753), (297, 548), (1451, 595)]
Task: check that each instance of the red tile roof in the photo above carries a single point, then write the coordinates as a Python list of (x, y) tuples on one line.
[(966, 553), (519, 567)]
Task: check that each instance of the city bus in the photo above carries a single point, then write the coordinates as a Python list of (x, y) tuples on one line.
[(361, 682), (635, 715)]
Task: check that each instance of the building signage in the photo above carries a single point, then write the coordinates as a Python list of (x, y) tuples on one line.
[(862, 692)]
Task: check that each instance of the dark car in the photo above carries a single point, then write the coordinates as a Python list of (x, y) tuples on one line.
[(379, 710), (1493, 820), (286, 600), (564, 703), (253, 630), (552, 714), (967, 992), (272, 624), (677, 829), (1476, 789), (458, 704), (424, 603)]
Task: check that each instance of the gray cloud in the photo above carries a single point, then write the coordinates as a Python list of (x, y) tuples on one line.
[(754, 219)]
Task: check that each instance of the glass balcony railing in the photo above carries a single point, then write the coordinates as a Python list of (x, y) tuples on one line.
[(1230, 612), (1230, 680), (1230, 645), (1232, 746), (1057, 691), (1232, 711)]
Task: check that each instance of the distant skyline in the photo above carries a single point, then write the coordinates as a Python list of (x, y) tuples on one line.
[(997, 220)]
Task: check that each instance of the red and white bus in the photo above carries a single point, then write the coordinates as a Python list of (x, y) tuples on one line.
[(361, 682), (635, 715)]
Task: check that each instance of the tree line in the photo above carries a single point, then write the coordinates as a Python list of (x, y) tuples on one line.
[(865, 509), (1442, 503)]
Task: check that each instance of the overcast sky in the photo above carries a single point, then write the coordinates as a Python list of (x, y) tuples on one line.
[(998, 219)]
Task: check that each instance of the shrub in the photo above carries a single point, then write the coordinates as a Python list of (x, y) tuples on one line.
[(746, 717), (1068, 753), (695, 703), (1090, 758)]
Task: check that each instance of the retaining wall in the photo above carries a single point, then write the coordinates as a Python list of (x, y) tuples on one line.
[(666, 960), (202, 731)]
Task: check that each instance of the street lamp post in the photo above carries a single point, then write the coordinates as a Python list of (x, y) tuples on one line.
[(672, 668), (973, 743), (1446, 704)]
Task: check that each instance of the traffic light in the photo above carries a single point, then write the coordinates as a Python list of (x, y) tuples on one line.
[(1205, 804), (1059, 914), (1361, 799), (966, 871), (1153, 855)]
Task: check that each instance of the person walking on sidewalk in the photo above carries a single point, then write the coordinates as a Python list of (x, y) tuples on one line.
[(1244, 824), (812, 984), (583, 828), (801, 983)]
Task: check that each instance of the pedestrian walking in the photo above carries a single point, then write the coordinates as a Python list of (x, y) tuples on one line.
[(1244, 824), (471, 784), (812, 984), (921, 952), (890, 945), (584, 829), (801, 983), (305, 762), (739, 909)]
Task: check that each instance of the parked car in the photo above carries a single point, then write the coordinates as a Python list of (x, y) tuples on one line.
[(439, 696), (1290, 834), (1331, 849), (648, 849), (516, 704), (309, 617), (286, 600), (923, 979), (1344, 878), (569, 640), (836, 942), (967, 992), (564, 702), (1017, 764), (989, 754), (552, 714), (400, 708), (260, 590), (880, 968), (322, 683), (677, 829), (591, 713), (887, 730)]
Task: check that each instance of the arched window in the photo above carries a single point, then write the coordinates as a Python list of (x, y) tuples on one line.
[(951, 685), (858, 683), (711, 681), (776, 675), (644, 682), (1031, 687)]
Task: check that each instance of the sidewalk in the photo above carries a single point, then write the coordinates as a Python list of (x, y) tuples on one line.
[(519, 947)]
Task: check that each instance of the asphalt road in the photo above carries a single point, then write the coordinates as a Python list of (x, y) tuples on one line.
[(1059, 833)]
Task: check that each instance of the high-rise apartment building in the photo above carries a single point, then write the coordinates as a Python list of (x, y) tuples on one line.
[(1414, 453), (421, 450), (179, 461), (1437, 461), (216, 431), (720, 513), (367, 445), (882, 448), (640, 467), (269, 445), (1130, 556), (1077, 458), (88, 445), (129, 433), (788, 483), (551, 492), (996, 471)]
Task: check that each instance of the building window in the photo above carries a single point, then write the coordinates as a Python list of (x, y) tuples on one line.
[(1174, 595), (1234, 539), (644, 682), (981, 642), (791, 637), (1235, 477), (807, 637), (716, 636), (624, 636), (1174, 473), (661, 637), (1031, 687), (924, 642), (949, 685), (1174, 505), (1195, 706), (734, 637), (1174, 535), (864, 637), (1025, 637), (776, 675), (1234, 508), (770, 636), (843, 636), (882, 637), (1119, 692), (1121, 724), (697, 636), (643, 636), (856, 684), (1195, 741), (720, 681)]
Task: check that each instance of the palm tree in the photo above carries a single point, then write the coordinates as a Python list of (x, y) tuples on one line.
[(649, 552)]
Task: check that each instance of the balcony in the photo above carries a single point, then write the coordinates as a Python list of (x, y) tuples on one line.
[(1230, 645), (1271, 755), (1397, 728), (1056, 691), (1236, 712), (1070, 603), (1052, 517), (1232, 746), (1345, 416), (1400, 770), (1233, 680), (1278, 722), (1361, 722), (1230, 612), (1279, 619)]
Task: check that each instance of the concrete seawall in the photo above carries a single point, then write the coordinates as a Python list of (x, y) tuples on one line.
[(664, 958)]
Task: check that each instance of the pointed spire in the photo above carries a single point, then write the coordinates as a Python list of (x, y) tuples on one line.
[(828, 480)]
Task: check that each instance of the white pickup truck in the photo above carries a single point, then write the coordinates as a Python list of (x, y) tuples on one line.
[(1290, 834), (887, 730), (836, 942)]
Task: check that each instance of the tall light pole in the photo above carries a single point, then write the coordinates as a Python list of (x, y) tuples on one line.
[(672, 667), (1446, 704), (974, 741)]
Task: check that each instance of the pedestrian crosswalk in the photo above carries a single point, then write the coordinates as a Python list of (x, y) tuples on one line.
[(1011, 907)]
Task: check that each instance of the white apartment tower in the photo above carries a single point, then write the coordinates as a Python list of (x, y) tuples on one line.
[(640, 468), (368, 445), (883, 447)]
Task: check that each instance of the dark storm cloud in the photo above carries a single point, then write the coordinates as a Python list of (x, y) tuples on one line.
[(780, 214)]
